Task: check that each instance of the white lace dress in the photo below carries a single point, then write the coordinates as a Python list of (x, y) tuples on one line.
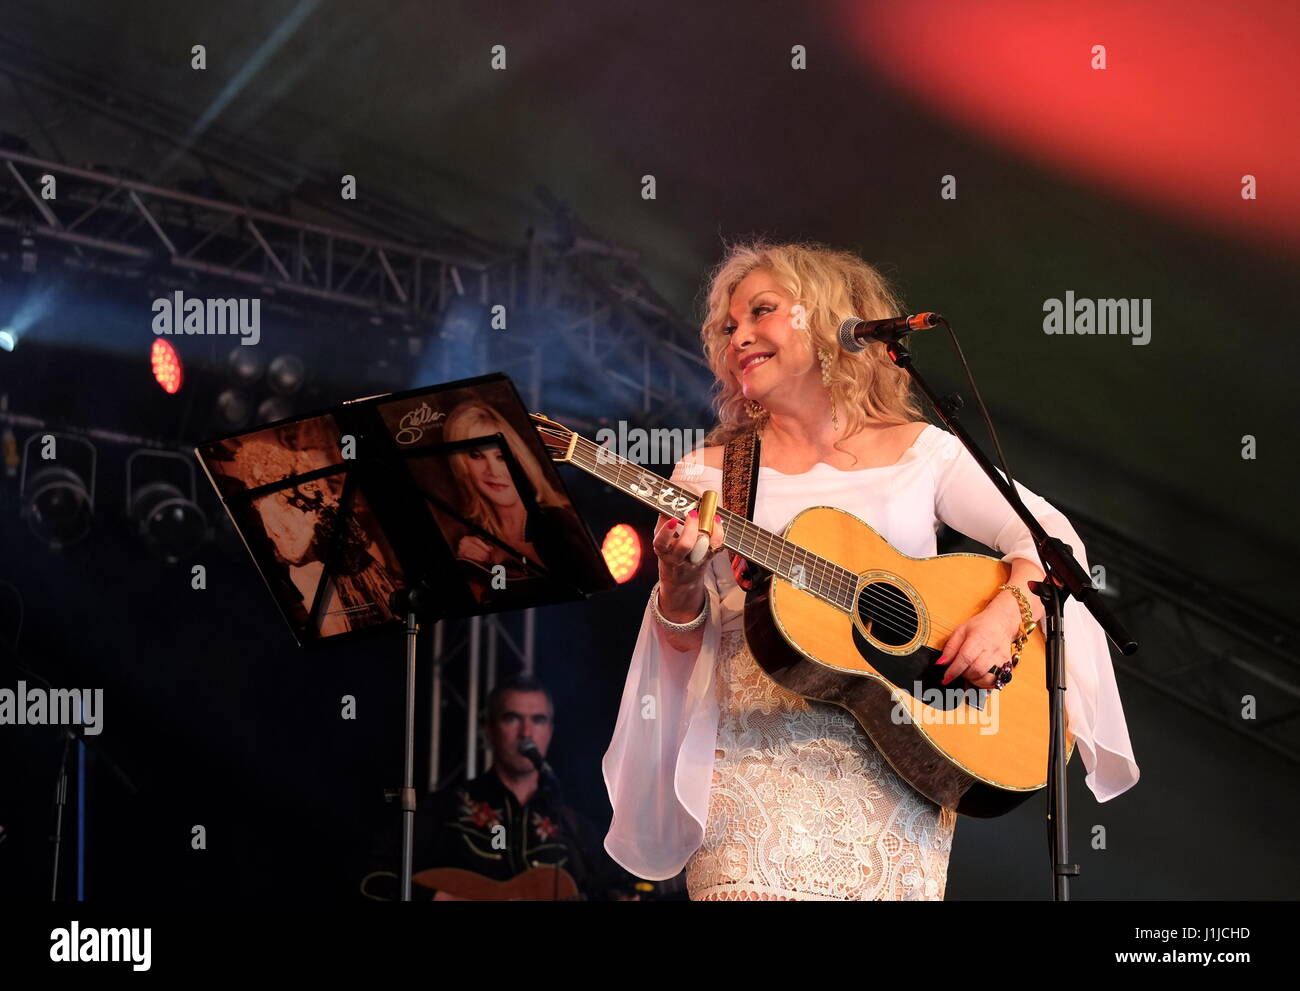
[(803, 806), (759, 794)]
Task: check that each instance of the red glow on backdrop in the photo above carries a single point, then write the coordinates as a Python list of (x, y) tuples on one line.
[(166, 365), (622, 551), (1195, 95)]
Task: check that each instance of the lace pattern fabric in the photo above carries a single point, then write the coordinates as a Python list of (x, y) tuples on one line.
[(804, 807)]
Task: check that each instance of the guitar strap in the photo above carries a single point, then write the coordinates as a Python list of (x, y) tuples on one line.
[(740, 461)]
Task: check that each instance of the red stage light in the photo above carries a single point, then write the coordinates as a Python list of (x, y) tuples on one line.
[(622, 551), (1195, 94), (166, 365)]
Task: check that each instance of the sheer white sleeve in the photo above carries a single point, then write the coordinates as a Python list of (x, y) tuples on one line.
[(968, 501), (659, 765)]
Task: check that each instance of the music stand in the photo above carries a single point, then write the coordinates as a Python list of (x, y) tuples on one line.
[(383, 517)]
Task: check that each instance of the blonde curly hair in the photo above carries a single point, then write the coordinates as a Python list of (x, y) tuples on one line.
[(830, 285)]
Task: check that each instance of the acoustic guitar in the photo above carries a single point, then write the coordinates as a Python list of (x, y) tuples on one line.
[(838, 615), (538, 884)]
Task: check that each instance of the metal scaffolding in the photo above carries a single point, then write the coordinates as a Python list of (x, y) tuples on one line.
[(1205, 646), (219, 212)]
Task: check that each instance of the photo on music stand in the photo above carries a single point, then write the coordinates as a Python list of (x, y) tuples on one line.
[(298, 522), (505, 548)]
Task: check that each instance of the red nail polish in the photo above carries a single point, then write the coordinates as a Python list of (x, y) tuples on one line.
[(693, 513), (941, 660)]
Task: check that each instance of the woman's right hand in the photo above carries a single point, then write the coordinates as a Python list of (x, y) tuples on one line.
[(681, 583)]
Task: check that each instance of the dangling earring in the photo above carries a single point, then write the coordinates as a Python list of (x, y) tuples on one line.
[(824, 357)]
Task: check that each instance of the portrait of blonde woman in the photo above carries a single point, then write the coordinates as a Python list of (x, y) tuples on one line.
[(490, 500)]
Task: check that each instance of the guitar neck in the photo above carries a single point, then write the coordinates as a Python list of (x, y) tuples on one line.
[(784, 559)]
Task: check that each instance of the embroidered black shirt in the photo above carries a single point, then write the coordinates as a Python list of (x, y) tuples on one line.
[(480, 826)]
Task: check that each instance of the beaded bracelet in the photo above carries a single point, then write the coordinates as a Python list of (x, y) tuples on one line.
[(668, 624), (1002, 676)]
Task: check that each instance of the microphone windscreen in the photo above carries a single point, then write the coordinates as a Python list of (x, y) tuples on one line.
[(847, 341)]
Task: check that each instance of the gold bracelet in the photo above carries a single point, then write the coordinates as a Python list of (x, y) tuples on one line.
[(1027, 624)]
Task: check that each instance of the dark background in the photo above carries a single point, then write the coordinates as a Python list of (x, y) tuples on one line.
[(1116, 184)]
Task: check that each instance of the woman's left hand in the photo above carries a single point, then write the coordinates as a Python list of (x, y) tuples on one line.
[(982, 643)]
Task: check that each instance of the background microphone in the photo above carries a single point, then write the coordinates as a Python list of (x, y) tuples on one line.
[(529, 750), (856, 334)]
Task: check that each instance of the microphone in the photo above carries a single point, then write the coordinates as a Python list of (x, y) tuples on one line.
[(529, 750), (856, 334)]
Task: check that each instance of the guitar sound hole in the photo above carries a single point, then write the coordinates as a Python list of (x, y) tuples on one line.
[(887, 613)]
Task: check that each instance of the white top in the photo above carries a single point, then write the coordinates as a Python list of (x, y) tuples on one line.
[(658, 768)]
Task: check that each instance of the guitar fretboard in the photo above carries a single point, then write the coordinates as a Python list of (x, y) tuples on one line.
[(800, 567)]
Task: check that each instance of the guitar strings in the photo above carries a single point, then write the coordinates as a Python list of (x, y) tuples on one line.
[(887, 607), (886, 602), (830, 577), (836, 583)]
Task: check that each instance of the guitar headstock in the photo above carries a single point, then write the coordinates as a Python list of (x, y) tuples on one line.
[(558, 439)]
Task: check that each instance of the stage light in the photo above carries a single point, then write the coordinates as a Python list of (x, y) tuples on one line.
[(460, 345), (244, 365), (1161, 136), (166, 363), (59, 508), (274, 408), (622, 552), (27, 251), (171, 523), (234, 406), (463, 320), (31, 311), (286, 374), (58, 501)]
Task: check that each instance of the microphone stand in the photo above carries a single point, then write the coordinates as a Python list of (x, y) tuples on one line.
[(74, 739), (61, 801), (546, 779), (1063, 577)]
